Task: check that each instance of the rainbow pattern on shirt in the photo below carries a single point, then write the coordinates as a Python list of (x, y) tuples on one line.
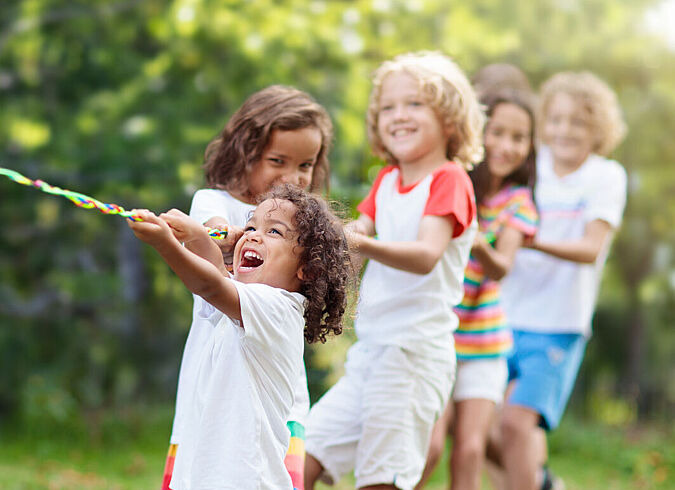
[(168, 466), (295, 456), (483, 331), (294, 460)]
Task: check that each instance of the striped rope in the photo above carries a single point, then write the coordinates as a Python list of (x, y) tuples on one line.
[(86, 202)]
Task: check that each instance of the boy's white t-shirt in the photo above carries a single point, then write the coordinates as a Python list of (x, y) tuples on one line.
[(206, 204), (415, 311), (234, 429), (543, 293)]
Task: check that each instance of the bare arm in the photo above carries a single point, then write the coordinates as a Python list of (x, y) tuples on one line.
[(195, 237), (419, 256), (362, 225), (497, 261), (584, 250), (199, 275)]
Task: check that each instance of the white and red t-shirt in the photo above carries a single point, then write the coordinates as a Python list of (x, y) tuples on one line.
[(415, 311)]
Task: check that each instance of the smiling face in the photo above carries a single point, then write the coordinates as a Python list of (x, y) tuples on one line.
[(507, 139), (268, 252), (568, 131), (409, 128), (289, 158)]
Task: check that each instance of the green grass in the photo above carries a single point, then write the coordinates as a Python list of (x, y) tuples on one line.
[(126, 450), (588, 456), (121, 450)]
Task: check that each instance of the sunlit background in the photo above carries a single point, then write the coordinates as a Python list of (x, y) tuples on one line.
[(118, 100)]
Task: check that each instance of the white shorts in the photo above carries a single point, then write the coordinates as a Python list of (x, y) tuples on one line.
[(481, 378), (378, 417)]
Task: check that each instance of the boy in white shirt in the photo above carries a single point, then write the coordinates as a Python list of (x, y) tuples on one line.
[(550, 294), (290, 273)]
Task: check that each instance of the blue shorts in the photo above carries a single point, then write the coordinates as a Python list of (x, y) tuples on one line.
[(544, 366)]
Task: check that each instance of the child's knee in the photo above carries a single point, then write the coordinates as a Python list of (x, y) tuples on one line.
[(468, 452), (514, 426)]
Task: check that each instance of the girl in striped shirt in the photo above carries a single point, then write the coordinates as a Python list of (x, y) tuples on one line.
[(507, 217)]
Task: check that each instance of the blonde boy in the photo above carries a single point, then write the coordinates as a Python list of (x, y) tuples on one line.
[(425, 121), (550, 294)]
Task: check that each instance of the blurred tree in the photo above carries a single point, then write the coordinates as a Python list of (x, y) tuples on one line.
[(118, 99)]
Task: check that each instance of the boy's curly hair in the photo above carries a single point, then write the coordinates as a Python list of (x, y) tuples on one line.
[(230, 157), (447, 91), (324, 260), (597, 98)]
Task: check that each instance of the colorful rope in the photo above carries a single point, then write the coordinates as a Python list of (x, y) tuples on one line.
[(86, 202)]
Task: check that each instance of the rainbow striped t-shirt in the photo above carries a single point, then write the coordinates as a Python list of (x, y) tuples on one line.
[(482, 331)]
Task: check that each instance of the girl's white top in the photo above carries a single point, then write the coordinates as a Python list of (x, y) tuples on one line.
[(234, 428), (206, 204)]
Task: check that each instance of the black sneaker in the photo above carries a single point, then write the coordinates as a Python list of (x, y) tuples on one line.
[(550, 481)]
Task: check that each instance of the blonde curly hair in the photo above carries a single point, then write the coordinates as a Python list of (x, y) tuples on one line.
[(598, 99), (447, 91)]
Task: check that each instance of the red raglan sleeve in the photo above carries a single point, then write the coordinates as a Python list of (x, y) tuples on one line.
[(451, 194)]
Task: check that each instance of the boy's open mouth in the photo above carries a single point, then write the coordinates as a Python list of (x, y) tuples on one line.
[(251, 259)]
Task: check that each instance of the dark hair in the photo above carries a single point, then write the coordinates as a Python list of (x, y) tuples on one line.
[(324, 260), (229, 158), (499, 76), (526, 174)]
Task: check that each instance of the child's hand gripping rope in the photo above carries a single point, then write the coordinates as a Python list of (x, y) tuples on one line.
[(86, 202)]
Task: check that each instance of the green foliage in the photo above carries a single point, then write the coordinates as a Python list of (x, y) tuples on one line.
[(119, 99)]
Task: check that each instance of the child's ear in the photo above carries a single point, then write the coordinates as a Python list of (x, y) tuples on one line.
[(450, 131), (300, 274)]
